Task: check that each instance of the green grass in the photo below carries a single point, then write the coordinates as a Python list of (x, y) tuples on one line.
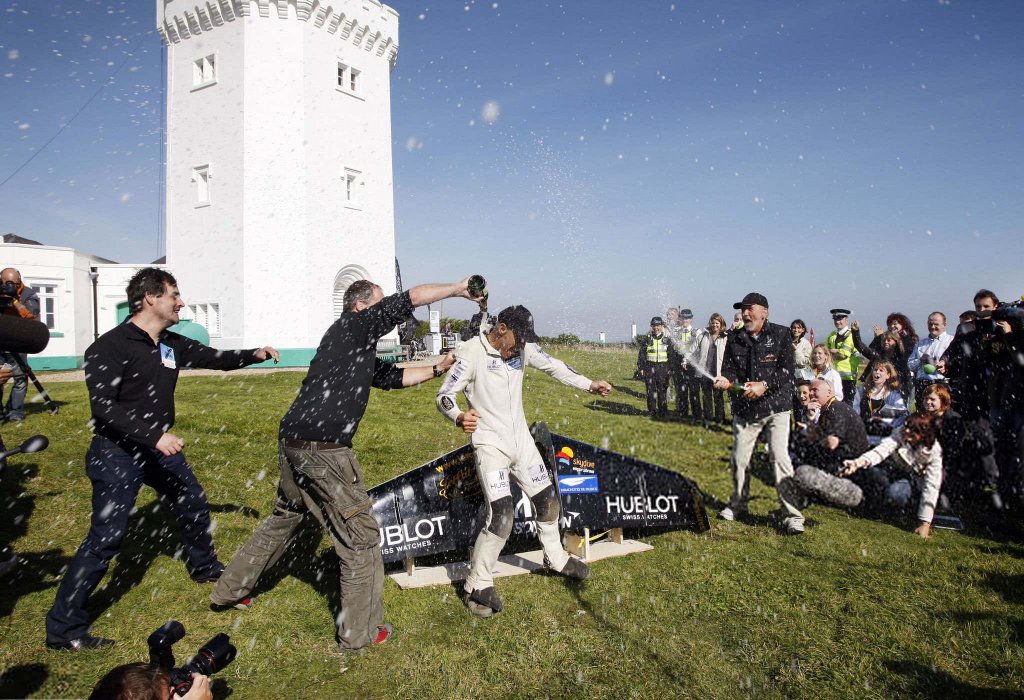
[(853, 608)]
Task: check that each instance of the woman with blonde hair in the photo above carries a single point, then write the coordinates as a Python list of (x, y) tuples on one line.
[(821, 368)]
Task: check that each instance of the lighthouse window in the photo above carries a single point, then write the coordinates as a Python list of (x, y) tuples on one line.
[(349, 80), (204, 71)]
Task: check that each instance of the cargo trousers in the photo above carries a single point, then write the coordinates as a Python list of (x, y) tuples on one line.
[(327, 482)]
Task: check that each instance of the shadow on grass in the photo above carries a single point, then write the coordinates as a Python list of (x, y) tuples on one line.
[(36, 571), (1010, 587), (623, 389), (1016, 625), (616, 408), (933, 683), (152, 532), (23, 680)]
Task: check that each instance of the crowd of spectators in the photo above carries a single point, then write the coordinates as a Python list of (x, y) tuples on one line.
[(879, 426)]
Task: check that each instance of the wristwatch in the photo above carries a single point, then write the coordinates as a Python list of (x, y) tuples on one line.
[(438, 372)]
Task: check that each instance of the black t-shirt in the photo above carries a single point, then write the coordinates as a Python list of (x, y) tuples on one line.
[(334, 394), (131, 380)]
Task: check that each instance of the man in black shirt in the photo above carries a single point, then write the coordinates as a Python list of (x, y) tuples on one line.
[(836, 435), (759, 356), (131, 372), (319, 471)]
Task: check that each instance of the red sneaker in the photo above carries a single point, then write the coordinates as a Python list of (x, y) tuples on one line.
[(383, 633)]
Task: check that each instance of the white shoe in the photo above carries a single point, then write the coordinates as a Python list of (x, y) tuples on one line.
[(727, 514), (792, 526)]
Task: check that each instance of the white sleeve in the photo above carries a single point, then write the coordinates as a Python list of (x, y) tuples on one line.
[(538, 359), (837, 383), (457, 380), (914, 361), (932, 478), (882, 450)]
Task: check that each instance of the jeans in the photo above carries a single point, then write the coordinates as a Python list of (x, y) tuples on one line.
[(117, 477), (327, 482), (744, 439), (19, 385)]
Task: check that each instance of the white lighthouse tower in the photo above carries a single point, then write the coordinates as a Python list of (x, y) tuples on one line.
[(279, 178)]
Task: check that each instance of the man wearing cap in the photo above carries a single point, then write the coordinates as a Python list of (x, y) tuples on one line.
[(760, 358), (844, 353), (490, 373), (653, 359)]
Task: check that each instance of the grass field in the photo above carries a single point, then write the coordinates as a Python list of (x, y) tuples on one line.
[(853, 608)]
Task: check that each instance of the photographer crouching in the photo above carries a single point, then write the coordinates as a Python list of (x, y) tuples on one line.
[(16, 299), (160, 679)]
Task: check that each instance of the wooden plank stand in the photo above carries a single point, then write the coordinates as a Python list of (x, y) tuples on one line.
[(587, 547)]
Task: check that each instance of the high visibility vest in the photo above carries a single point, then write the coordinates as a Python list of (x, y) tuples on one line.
[(849, 360), (657, 350)]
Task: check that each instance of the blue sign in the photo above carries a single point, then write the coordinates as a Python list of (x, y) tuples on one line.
[(578, 483)]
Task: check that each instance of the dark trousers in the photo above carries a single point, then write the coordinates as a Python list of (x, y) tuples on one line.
[(849, 389), (19, 385), (117, 477), (713, 400), (656, 380), (687, 393), (327, 482), (1008, 431)]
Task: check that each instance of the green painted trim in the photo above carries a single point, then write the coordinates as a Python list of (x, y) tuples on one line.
[(56, 334), (58, 362), (290, 357)]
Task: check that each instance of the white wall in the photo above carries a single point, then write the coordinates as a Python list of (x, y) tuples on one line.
[(278, 135)]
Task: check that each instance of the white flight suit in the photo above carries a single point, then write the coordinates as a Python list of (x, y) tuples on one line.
[(502, 441)]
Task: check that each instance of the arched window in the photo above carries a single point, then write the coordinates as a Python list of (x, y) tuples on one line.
[(342, 281)]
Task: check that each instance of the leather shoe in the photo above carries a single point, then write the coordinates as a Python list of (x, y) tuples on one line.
[(86, 641), (211, 576)]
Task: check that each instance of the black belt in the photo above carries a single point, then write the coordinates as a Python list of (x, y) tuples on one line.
[(297, 444)]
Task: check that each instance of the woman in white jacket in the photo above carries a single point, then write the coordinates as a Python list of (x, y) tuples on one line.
[(708, 355), (915, 449)]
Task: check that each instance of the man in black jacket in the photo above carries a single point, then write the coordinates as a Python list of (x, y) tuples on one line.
[(760, 358), (320, 473), (131, 372)]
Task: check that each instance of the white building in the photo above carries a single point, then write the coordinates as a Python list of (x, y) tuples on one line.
[(279, 176), (279, 179), (80, 296)]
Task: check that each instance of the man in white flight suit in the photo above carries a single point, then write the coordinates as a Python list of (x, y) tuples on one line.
[(490, 372)]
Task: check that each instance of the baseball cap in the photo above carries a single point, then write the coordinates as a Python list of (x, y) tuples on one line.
[(750, 299), (520, 320)]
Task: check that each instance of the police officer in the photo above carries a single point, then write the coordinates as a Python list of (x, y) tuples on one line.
[(844, 353), (684, 377), (653, 360)]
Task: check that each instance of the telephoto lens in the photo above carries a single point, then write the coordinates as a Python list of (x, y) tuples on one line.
[(213, 656)]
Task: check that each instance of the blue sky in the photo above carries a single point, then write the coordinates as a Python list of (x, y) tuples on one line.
[(599, 167)]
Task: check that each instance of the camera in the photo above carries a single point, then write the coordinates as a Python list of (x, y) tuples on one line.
[(211, 657), (8, 292), (1011, 312)]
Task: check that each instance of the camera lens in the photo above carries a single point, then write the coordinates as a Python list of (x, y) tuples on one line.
[(213, 656)]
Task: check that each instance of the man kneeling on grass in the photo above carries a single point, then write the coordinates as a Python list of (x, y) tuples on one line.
[(913, 450), (490, 372)]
